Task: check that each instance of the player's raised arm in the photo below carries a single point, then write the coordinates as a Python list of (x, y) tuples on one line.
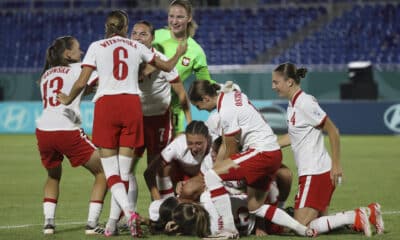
[(77, 88), (170, 64)]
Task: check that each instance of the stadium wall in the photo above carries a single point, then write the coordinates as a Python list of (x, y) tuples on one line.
[(324, 85), (354, 117)]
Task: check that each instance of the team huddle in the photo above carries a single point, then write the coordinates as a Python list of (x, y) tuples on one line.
[(220, 179)]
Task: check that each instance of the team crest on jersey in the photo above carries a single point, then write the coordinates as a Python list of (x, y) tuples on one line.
[(185, 61)]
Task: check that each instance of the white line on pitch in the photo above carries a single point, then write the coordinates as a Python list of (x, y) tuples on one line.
[(36, 224), (77, 223)]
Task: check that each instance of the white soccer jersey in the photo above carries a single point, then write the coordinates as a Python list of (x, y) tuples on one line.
[(213, 125), (53, 81), (178, 150), (237, 114), (117, 60), (156, 92), (304, 116)]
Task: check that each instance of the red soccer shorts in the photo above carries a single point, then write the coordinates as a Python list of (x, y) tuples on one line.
[(258, 168), (157, 134), (118, 121), (315, 191), (53, 145)]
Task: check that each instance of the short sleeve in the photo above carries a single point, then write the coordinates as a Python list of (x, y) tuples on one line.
[(200, 66), (313, 113), (170, 152), (229, 122), (145, 54), (90, 58)]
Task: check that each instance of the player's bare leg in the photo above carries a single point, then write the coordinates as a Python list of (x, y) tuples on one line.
[(97, 196), (284, 178), (51, 192)]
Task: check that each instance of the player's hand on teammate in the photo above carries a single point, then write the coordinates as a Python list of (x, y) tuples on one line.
[(182, 47), (63, 98), (336, 175), (178, 188)]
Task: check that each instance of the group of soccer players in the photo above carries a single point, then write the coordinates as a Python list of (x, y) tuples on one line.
[(232, 158)]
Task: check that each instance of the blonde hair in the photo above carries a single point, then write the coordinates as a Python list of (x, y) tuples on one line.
[(192, 25)]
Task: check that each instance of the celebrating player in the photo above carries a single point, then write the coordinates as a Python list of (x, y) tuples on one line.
[(118, 118), (319, 174), (58, 132), (182, 27), (183, 158), (260, 158), (155, 97)]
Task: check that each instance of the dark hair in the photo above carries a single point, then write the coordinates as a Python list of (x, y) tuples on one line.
[(200, 88), (165, 211), (149, 25), (289, 70), (217, 144), (55, 53), (192, 25), (116, 22), (197, 127), (192, 219)]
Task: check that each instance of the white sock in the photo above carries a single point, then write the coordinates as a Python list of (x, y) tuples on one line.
[(215, 218), (95, 208), (49, 210), (111, 224), (327, 223), (133, 191), (114, 182), (165, 187), (119, 193), (220, 198), (110, 166), (124, 167), (280, 217), (115, 210)]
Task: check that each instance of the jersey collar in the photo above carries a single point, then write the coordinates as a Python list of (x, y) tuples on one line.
[(296, 95), (219, 100)]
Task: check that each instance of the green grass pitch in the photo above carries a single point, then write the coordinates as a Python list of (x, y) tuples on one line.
[(371, 173)]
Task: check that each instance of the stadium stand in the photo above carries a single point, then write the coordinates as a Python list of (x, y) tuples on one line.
[(228, 35)]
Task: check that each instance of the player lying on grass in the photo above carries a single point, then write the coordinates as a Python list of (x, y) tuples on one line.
[(59, 133), (318, 173)]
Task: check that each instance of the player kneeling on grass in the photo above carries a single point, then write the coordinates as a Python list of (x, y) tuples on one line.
[(58, 132), (318, 173)]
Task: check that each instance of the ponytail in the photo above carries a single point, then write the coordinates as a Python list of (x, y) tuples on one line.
[(289, 70), (200, 88), (55, 53)]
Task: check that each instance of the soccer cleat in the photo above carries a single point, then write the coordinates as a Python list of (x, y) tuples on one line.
[(375, 217), (94, 230), (134, 225), (109, 233), (223, 234), (361, 222), (48, 229), (311, 232)]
